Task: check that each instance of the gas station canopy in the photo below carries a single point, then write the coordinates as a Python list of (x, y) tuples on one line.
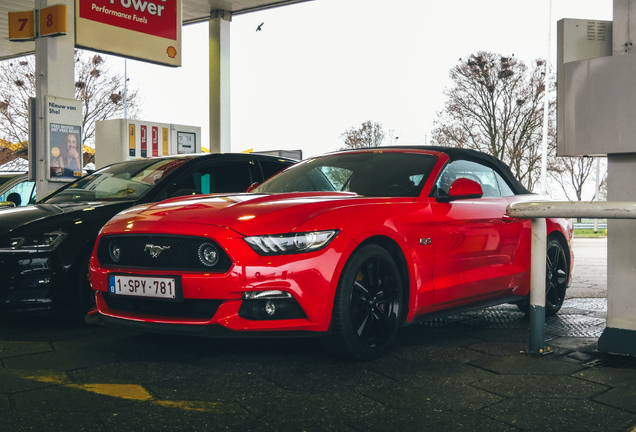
[(193, 11)]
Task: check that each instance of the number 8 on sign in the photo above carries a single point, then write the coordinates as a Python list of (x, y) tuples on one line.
[(53, 21)]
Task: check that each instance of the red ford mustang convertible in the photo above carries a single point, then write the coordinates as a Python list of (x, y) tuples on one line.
[(349, 246)]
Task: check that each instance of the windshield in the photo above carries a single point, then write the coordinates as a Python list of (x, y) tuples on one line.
[(126, 181), (376, 173)]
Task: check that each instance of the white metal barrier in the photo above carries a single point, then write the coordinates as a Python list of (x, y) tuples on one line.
[(538, 211)]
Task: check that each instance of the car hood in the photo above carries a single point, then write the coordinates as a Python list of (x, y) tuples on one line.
[(25, 217), (247, 214)]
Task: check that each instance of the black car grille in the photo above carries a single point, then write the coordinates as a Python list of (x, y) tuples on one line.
[(170, 253), (188, 308)]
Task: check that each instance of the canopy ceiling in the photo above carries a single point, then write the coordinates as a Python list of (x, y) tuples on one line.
[(193, 11)]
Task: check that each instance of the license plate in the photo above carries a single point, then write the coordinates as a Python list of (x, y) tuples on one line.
[(142, 286)]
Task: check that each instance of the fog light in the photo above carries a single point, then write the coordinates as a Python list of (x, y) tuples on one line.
[(208, 254), (114, 250), (270, 308)]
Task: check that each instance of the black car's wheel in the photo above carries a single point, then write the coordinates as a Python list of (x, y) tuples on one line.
[(367, 310), (556, 276)]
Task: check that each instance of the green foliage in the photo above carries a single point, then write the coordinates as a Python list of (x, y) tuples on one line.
[(590, 233)]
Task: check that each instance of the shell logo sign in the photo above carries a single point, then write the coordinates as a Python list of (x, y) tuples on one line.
[(142, 29)]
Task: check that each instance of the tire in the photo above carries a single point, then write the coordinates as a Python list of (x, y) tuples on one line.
[(367, 310), (556, 276)]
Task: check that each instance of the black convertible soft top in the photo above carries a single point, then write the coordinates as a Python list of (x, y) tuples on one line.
[(469, 155)]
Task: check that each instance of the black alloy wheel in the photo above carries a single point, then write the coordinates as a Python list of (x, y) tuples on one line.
[(367, 311), (556, 276)]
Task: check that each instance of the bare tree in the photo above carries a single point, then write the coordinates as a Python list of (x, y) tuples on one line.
[(369, 134), (99, 90), (496, 106), (572, 173)]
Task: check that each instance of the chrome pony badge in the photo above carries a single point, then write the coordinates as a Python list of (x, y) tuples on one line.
[(155, 250)]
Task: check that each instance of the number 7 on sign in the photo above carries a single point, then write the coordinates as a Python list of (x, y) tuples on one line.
[(22, 26)]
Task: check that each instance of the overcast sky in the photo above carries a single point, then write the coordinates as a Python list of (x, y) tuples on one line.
[(319, 68)]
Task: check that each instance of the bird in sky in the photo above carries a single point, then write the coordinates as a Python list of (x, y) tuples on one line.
[(259, 26)]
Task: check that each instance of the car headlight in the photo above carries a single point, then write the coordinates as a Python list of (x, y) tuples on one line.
[(45, 242), (281, 244)]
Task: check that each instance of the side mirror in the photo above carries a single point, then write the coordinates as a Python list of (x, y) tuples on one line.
[(462, 188), (252, 187)]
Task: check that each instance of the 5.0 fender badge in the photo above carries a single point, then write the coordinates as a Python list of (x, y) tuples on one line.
[(425, 241), (155, 250)]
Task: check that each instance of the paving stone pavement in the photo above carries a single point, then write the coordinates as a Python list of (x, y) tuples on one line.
[(463, 372)]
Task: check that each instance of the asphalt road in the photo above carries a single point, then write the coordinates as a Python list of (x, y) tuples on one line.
[(589, 276)]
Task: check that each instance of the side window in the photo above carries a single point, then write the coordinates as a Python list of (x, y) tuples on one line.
[(503, 186), (223, 177), (21, 194), (483, 175), (270, 168)]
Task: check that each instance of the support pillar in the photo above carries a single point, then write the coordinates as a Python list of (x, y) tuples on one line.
[(54, 68), (619, 336), (219, 24)]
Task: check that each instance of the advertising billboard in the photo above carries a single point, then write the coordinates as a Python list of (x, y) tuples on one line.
[(64, 138), (148, 30)]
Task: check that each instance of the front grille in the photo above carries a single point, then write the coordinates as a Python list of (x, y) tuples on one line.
[(170, 253), (188, 308)]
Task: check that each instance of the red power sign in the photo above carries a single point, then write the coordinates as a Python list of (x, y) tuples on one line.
[(144, 141), (155, 141), (153, 17)]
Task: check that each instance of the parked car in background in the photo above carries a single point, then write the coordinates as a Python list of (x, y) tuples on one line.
[(16, 190), (349, 246), (45, 247)]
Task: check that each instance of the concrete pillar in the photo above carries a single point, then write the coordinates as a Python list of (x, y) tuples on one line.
[(54, 67), (220, 140), (620, 334)]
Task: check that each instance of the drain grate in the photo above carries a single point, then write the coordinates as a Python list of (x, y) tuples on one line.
[(499, 319), (587, 304), (575, 326)]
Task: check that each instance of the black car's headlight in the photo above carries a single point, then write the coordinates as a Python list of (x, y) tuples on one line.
[(41, 242), (281, 244)]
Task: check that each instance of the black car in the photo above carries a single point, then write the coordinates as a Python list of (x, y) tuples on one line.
[(45, 248)]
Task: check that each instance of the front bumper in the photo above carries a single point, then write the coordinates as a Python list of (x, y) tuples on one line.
[(30, 281), (210, 331), (217, 299)]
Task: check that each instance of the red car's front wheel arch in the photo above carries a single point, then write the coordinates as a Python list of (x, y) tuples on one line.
[(397, 254), (368, 306)]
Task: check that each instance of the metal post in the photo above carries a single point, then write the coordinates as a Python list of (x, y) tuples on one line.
[(537, 287), (220, 125), (596, 190), (618, 338), (546, 108)]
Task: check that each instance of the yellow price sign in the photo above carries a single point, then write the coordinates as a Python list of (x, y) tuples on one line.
[(53, 20), (22, 26), (131, 140)]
